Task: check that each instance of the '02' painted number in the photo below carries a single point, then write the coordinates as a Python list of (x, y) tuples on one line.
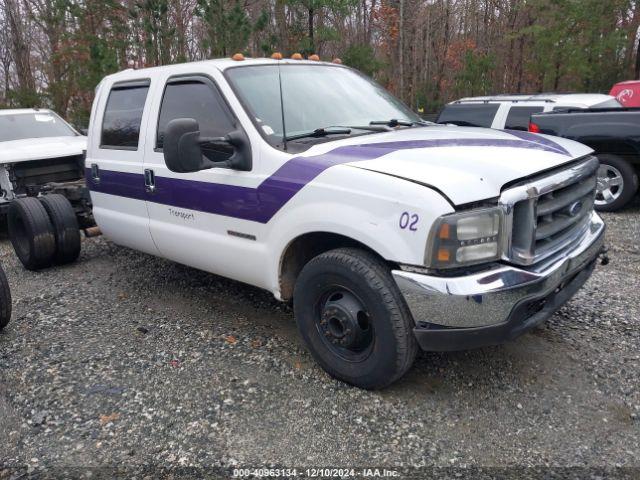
[(409, 221)]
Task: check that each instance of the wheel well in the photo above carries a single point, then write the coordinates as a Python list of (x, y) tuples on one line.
[(304, 248)]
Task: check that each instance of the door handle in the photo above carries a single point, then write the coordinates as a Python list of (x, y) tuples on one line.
[(149, 181), (95, 173)]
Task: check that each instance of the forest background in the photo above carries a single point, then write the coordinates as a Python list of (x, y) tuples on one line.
[(53, 53)]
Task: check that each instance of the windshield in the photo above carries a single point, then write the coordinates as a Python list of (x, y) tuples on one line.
[(18, 126), (315, 96)]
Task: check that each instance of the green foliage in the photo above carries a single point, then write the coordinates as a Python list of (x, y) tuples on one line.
[(363, 58), (24, 98), (228, 29), (475, 76), (575, 43)]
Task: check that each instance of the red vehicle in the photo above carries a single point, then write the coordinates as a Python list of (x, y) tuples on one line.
[(627, 93)]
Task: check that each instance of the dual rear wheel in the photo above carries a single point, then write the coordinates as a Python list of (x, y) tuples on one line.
[(44, 231)]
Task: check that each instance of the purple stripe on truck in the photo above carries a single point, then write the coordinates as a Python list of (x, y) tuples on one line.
[(539, 139), (262, 203)]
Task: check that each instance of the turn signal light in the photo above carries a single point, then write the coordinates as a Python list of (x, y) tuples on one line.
[(533, 128), (445, 231), (443, 255)]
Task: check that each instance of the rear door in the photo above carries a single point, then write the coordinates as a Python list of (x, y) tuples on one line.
[(115, 164), (517, 117)]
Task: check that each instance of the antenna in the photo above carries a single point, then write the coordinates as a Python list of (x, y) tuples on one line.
[(284, 128)]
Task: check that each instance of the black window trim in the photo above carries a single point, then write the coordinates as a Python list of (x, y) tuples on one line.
[(137, 83), (522, 107), (195, 77), (465, 104)]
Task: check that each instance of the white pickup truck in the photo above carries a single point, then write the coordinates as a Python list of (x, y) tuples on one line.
[(309, 180)]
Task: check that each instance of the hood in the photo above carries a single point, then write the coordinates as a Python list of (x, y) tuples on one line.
[(466, 164), (41, 148)]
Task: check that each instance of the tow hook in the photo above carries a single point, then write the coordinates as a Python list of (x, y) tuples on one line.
[(604, 258)]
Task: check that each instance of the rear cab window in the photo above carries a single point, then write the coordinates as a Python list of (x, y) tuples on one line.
[(123, 115), (469, 115), (518, 117)]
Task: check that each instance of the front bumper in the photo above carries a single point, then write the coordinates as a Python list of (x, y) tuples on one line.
[(499, 304)]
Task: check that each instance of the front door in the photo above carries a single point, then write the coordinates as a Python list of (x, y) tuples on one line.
[(194, 217)]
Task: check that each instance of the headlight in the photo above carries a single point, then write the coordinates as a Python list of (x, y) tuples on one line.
[(465, 238)]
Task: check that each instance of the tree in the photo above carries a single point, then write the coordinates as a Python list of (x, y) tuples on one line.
[(227, 29)]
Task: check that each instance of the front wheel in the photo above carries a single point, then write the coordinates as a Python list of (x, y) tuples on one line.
[(617, 183), (353, 318)]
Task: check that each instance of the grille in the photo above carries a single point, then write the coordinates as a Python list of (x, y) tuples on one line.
[(548, 213)]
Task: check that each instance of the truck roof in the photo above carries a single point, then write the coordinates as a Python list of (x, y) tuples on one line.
[(220, 63), (584, 99), (15, 111)]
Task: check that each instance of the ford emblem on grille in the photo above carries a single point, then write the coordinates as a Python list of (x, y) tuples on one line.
[(574, 208)]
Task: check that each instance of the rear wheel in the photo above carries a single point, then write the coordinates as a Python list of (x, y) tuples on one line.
[(5, 300), (617, 183), (65, 227), (31, 233), (353, 318)]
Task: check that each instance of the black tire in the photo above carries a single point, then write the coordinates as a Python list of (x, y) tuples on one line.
[(5, 300), (65, 228), (31, 233), (386, 346), (627, 190)]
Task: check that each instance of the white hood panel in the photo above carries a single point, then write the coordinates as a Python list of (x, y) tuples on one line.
[(41, 148), (466, 164)]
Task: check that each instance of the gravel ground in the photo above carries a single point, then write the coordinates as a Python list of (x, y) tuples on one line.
[(131, 363)]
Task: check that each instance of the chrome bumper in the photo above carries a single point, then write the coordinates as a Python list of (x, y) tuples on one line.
[(490, 298)]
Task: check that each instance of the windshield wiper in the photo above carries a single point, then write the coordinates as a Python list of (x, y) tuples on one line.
[(394, 122), (320, 132)]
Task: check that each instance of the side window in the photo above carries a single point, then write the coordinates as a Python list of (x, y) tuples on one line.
[(469, 114), (123, 115), (518, 117), (199, 100)]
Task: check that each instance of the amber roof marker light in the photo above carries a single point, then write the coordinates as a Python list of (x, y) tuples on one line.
[(276, 56), (314, 58), (238, 57), (296, 56), (337, 61)]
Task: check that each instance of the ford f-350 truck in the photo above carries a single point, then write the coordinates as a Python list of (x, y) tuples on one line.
[(309, 180)]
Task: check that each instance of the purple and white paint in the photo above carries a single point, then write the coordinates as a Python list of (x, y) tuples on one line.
[(262, 203)]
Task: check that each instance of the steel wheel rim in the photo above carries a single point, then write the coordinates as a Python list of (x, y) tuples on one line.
[(344, 324), (610, 185)]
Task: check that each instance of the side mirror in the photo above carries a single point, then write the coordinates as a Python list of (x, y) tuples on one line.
[(182, 147), (84, 131)]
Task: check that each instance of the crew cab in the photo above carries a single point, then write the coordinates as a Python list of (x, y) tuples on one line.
[(512, 112), (309, 180), (614, 135)]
